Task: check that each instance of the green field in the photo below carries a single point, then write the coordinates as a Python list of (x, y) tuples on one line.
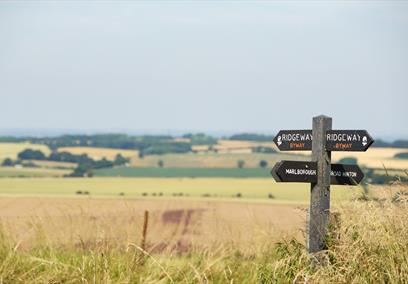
[(184, 172), (213, 160), (31, 172)]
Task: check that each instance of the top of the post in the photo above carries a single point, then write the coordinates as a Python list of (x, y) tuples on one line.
[(322, 116)]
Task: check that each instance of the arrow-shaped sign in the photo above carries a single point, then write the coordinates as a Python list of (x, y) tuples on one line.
[(336, 140), (294, 140), (302, 171)]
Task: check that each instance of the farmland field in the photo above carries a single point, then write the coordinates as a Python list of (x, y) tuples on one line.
[(53, 164), (99, 153), (376, 158), (212, 160), (254, 188), (183, 172), (10, 150), (31, 172)]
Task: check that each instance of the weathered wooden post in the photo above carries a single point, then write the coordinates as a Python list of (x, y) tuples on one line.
[(320, 172), (319, 212)]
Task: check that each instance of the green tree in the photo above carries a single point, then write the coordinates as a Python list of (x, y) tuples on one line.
[(348, 161), (7, 162), (30, 154), (120, 160), (401, 155), (241, 164), (160, 163), (263, 164), (82, 170)]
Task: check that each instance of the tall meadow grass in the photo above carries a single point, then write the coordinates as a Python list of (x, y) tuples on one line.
[(368, 244)]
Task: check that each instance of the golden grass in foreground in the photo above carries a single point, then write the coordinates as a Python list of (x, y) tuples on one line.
[(77, 221), (370, 246)]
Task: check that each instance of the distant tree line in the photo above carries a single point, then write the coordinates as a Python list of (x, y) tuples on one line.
[(395, 144), (148, 144), (85, 163), (401, 155), (266, 150), (200, 139), (371, 177), (154, 144), (252, 137)]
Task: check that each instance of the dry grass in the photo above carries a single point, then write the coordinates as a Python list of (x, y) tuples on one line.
[(97, 241), (99, 153), (73, 222)]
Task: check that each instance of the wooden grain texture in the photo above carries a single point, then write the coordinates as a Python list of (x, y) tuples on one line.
[(319, 212)]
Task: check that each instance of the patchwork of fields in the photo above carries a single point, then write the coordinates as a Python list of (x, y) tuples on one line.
[(224, 163)]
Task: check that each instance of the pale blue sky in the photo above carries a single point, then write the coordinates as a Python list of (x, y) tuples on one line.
[(204, 66)]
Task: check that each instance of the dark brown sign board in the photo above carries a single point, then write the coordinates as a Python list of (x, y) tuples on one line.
[(303, 171), (336, 140)]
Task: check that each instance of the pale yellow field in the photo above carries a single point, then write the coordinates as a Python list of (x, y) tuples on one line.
[(30, 172), (99, 153), (233, 146), (372, 158), (180, 139), (53, 164), (11, 150), (376, 158)]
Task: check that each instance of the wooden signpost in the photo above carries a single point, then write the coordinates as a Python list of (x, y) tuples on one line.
[(322, 140)]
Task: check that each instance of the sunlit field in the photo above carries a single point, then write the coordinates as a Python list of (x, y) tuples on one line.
[(11, 150), (376, 158), (99, 153), (7, 172), (203, 188)]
